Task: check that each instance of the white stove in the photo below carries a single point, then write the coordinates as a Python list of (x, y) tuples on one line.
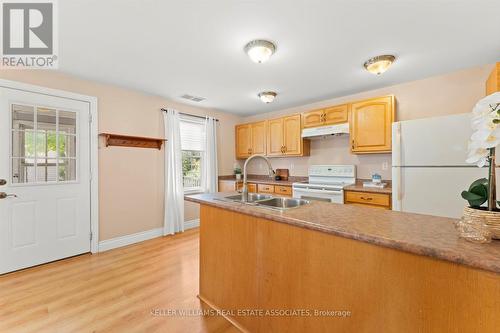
[(326, 183)]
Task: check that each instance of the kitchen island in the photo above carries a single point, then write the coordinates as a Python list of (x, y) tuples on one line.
[(328, 267)]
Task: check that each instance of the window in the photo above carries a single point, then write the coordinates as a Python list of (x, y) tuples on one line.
[(192, 145), (43, 145)]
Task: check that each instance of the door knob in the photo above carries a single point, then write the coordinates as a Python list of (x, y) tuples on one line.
[(4, 195), (3, 182)]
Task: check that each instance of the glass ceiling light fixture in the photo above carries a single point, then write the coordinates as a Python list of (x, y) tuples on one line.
[(379, 64), (267, 96), (260, 50)]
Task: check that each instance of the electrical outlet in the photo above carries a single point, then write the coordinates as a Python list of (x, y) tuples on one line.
[(291, 166), (385, 166)]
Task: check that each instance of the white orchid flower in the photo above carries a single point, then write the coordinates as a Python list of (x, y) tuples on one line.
[(484, 104), (485, 116), (478, 156)]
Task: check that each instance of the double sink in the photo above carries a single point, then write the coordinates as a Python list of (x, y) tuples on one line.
[(268, 201)]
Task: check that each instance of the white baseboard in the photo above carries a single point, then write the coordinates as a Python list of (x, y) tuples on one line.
[(114, 243), (117, 242), (191, 224)]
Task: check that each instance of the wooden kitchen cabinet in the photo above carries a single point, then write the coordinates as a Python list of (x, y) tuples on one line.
[(336, 114), (284, 137), (275, 137), (252, 188), (312, 118), (493, 82), (376, 200), (250, 139), (258, 132), (371, 125), (265, 188), (243, 140), (228, 185), (283, 190), (327, 116)]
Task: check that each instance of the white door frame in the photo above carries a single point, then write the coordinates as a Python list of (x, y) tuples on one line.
[(93, 144)]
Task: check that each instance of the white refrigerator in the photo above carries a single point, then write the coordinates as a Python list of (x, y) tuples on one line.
[(428, 165)]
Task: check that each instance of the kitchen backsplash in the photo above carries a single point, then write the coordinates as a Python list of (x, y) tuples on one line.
[(331, 150)]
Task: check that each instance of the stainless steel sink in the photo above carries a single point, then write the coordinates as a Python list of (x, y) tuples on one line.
[(283, 203), (252, 197)]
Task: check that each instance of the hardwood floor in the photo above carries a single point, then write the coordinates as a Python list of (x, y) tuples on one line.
[(114, 291)]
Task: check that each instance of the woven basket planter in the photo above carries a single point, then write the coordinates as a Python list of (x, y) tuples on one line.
[(490, 218)]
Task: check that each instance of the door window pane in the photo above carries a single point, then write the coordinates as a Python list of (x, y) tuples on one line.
[(67, 146), (46, 119), (23, 143), (22, 171), (67, 169), (22, 117), (67, 122), (48, 134), (46, 170)]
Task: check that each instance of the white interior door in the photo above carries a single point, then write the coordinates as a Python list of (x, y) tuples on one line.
[(45, 162)]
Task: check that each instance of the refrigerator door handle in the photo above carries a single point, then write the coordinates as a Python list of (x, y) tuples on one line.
[(397, 197)]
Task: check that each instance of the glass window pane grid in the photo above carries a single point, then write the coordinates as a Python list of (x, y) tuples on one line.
[(50, 172), (191, 169)]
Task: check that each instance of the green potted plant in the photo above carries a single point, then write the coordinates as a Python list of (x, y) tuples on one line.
[(237, 171), (484, 140)]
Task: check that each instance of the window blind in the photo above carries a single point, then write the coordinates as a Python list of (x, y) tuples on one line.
[(192, 135)]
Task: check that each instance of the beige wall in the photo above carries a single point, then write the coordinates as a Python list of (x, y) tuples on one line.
[(435, 96), (131, 179)]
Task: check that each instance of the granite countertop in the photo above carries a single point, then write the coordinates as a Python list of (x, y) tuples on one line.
[(425, 235), (262, 179), (358, 187)]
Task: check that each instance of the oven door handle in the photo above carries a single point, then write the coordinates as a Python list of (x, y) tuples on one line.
[(306, 190)]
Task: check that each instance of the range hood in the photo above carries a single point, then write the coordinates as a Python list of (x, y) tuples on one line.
[(340, 129)]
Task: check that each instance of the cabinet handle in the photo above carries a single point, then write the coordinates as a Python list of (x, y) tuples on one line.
[(353, 144), (367, 199)]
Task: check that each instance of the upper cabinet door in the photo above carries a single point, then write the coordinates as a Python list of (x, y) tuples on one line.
[(312, 119), (275, 145), (243, 140), (371, 125), (292, 135), (336, 115), (258, 138)]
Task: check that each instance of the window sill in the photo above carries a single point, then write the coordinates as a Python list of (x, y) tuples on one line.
[(193, 191)]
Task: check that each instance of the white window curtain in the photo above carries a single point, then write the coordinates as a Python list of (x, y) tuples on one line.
[(210, 174), (174, 191)]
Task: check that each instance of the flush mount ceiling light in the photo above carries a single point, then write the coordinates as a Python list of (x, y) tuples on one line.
[(378, 65), (260, 50), (267, 96)]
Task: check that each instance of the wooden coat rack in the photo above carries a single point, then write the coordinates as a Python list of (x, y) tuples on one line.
[(132, 141)]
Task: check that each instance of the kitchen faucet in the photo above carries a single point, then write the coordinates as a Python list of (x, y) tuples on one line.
[(244, 196)]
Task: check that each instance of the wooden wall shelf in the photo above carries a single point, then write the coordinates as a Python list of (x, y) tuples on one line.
[(132, 141)]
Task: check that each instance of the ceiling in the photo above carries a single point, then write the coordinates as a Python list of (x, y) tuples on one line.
[(172, 48)]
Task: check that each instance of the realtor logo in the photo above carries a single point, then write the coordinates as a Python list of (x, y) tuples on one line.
[(29, 34)]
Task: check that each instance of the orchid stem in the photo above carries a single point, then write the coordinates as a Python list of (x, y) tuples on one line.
[(492, 193)]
